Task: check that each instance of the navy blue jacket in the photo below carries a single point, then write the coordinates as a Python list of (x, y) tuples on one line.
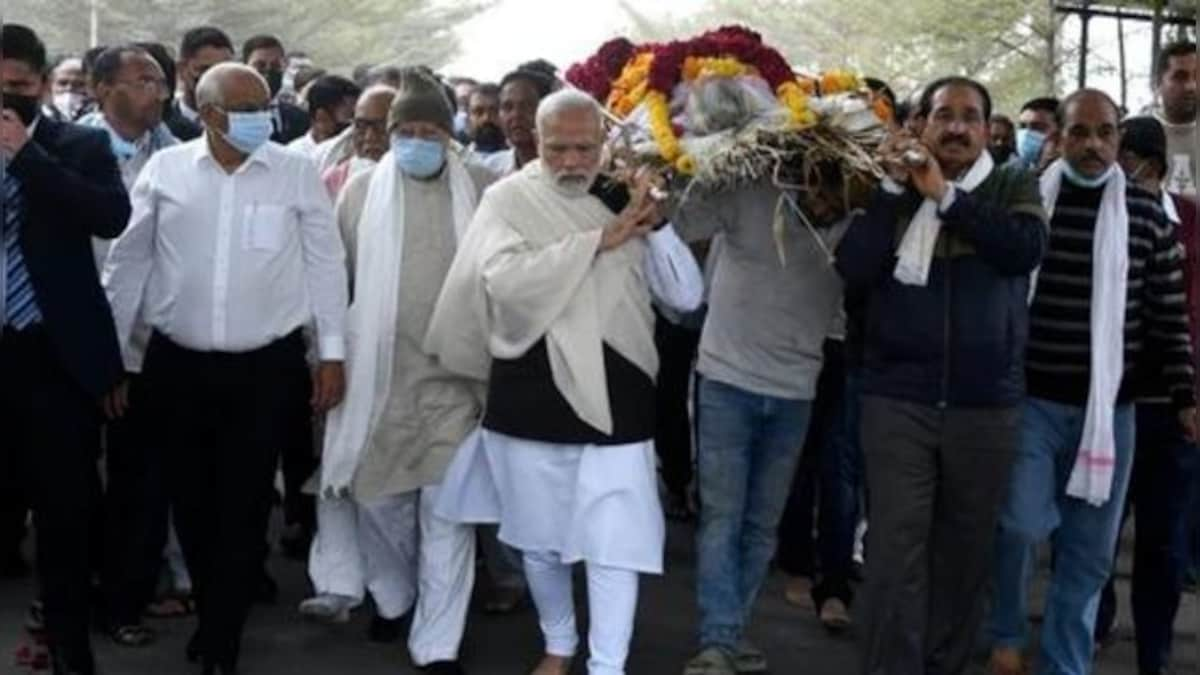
[(72, 190), (959, 340)]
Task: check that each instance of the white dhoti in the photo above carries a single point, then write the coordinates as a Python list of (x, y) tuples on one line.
[(371, 546), (404, 554), (586, 503), (563, 504)]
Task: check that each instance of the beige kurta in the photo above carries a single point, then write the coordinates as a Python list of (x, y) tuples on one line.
[(429, 410)]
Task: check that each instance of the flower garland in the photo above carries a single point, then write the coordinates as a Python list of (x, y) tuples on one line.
[(625, 76), (630, 88), (840, 81)]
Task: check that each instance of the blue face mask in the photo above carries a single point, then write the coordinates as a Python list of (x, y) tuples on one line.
[(248, 131), (1029, 145), (121, 148), (418, 157), (1083, 181)]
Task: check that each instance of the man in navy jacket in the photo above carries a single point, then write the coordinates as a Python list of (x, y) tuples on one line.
[(943, 374), (60, 186)]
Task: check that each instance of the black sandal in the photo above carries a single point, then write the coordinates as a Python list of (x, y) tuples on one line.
[(132, 636)]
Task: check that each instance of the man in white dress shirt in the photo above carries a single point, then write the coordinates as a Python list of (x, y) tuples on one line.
[(548, 301), (231, 249)]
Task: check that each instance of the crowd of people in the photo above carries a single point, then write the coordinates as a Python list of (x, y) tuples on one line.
[(428, 303)]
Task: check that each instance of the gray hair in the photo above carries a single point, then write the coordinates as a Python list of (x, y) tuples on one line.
[(565, 100), (210, 90)]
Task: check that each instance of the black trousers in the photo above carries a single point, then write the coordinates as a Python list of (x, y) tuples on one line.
[(299, 463), (51, 430), (937, 478), (677, 347), (221, 419), (799, 547), (135, 513)]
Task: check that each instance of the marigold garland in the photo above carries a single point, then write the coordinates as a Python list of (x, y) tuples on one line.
[(624, 76), (839, 81)]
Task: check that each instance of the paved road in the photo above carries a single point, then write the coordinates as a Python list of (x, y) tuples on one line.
[(279, 643)]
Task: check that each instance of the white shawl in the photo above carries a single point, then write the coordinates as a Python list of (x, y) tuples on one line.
[(1092, 476), (916, 247), (371, 318), (528, 269)]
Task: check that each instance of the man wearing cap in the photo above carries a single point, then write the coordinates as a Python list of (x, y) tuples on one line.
[(1165, 464), (387, 449)]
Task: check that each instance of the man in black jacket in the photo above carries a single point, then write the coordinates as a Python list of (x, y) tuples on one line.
[(58, 347), (943, 377), (201, 49), (265, 54)]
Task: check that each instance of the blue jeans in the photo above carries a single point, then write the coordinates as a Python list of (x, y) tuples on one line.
[(1084, 537), (748, 448)]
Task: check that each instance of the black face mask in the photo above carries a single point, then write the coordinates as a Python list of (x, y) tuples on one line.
[(489, 138), (25, 107), (1001, 154), (274, 81)]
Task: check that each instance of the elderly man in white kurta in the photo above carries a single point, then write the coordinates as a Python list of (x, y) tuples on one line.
[(548, 302), (387, 448)]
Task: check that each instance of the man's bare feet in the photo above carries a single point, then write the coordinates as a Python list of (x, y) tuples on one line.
[(553, 665)]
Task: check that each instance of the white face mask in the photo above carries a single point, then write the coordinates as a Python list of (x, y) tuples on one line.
[(69, 103)]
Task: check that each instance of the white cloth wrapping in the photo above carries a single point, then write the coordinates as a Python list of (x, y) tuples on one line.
[(371, 318), (1092, 475), (916, 248), (595, 504)]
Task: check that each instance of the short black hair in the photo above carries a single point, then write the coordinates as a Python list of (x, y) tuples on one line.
[(486, 89), (536, 76), (329, 91), (925, 106), (205, 36), (260, 42), (1168, 52), (89, 59), (1080, 93), (108, 64), (20, 43), (159, 52), (1045, 104), (881, 88), (306, 75)]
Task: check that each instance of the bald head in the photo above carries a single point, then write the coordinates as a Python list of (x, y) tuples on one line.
[(1090, 134), (370, 121), (232, 86), (376, 100)]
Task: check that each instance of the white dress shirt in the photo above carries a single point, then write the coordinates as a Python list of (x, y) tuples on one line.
[(305, 145), (229, 262)]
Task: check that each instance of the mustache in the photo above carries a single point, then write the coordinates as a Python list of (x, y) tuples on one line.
[(947, 139), (1091, 154)]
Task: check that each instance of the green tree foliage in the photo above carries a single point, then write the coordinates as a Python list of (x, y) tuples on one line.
[(1010, 44), (337, 34)]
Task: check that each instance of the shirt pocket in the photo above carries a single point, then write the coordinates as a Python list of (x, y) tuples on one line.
[(266, 227)]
